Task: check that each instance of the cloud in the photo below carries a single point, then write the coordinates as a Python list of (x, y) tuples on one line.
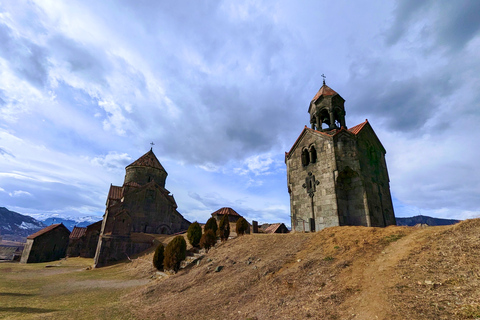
[(19, 193), (85, 86), (27, 59), (450, 25), (112, 161)]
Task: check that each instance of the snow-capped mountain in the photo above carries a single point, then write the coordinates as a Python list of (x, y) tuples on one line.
[(69, 223), (18, 224)]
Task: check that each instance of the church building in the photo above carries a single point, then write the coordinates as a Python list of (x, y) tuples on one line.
[(140, 207), (337, 176)]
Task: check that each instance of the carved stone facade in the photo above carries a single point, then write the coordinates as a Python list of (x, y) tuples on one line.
[(141, 206), (337, 176)]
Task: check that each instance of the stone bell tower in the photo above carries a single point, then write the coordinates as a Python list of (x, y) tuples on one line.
[(337, 176)]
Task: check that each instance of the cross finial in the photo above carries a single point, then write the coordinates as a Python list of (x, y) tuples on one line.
[(323, 76), (152, 144)]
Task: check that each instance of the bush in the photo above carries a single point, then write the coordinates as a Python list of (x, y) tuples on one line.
[(211, 225), (208, 240), (158, 257), (175, 253), (224, 228), (241, 227), (194, 234)]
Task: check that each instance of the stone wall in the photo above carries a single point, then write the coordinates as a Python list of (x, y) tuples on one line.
[(47, 247), (324, 199)]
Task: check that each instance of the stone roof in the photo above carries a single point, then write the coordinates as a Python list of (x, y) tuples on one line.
[(77, 232), (226, 210), (147, 160), (45, 230)]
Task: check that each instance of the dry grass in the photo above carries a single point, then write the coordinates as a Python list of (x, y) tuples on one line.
[(337, 273)]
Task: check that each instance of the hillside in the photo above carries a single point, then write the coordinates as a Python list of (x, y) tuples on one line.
[(337, 273), (412, 221), (13, 223)]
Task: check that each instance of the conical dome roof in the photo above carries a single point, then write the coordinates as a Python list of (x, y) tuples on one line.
[(324, 91), (147, 160)]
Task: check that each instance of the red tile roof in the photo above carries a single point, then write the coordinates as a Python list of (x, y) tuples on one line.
[(226, 210), (147, 160), (324, 91), (45, 230), (77, 232), (272, 228), (356, 129), (115, 193)]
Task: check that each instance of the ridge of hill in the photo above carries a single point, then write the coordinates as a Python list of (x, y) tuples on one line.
[(412, 221), (14, 223), (336, 273)]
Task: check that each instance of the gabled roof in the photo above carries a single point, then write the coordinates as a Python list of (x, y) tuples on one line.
[(95, 225), (45, 230), (226, 210), (273, 227), (356, 129), (147, 160), (77, 232), (115, 193), (331, 133)]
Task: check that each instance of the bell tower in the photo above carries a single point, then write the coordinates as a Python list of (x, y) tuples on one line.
[(327, 110), (337, 176)]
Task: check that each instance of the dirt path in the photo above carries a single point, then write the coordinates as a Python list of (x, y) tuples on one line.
[(380, 274)]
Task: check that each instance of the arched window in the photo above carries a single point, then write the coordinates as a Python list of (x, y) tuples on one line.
[(313, 154), (305, 158)]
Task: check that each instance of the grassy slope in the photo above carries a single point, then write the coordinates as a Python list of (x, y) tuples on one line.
[(337, 273), (66, 291)]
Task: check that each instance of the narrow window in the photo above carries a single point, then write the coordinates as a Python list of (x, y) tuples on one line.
[(313, 154), (305, 158)]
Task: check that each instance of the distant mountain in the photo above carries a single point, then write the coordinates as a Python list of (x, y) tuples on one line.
[(68, 223), (412, 221), (17, 224)]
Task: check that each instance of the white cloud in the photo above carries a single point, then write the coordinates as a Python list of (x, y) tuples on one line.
[(20, 193), (84, 87)]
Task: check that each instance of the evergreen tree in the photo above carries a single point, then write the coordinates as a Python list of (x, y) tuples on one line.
[(158, 257), (241, 226), (175, 253), (224, 228), (194, 234), (211, 225), (208, 240)]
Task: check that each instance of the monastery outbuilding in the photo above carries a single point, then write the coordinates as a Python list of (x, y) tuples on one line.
[(337, 176), (48, 244)]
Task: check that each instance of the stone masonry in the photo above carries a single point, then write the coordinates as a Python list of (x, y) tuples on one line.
[(337, 176)]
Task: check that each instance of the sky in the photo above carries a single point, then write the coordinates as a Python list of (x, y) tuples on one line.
[(222, 89)]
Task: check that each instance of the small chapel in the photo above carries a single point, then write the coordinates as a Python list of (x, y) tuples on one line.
[(337, 176), (140, 207)]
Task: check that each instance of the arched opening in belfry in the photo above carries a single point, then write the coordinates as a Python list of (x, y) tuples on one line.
[(324, 119), (313, 123), (350, 198)]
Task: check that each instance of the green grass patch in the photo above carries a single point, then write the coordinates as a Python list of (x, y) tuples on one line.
[(64, 290)]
